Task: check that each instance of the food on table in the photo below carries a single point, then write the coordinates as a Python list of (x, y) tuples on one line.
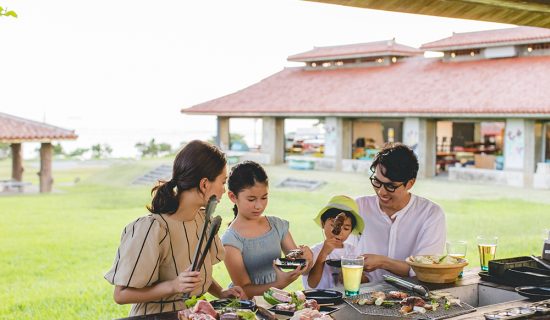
[(229, 316), (435, 259), (275, 296), (286, 307), (413, 301), (284, 300), (203, 310), (406, 309), (364, 301), (310, 314), (294, 254), (311, 304), (378, 295), (397, 295), (338, 223)]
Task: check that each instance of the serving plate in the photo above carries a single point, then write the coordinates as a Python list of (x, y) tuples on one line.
[(285, 263), (322, 309), (324, 296)]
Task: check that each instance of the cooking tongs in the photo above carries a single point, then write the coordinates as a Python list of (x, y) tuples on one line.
[(199, 256), (198, 259), (416, 288)]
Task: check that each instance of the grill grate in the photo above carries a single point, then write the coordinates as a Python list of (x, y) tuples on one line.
[(393, 311)]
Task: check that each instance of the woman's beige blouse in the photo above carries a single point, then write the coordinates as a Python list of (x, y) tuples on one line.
[(156, 248)]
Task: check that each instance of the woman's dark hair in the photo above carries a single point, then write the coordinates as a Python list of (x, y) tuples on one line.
[(245, 175), (333, 212), (398, 161), (197, 160)]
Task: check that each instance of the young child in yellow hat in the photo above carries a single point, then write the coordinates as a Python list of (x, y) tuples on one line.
[(323, 276)]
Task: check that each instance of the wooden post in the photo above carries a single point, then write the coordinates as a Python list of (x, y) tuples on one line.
[(16, 162), (45, 173)]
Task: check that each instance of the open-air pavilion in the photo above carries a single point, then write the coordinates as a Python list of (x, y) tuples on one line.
[(480, 111), (16, 131)]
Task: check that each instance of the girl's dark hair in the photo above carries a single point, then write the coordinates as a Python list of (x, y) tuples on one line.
[(245, 175), (197, 160), (333, 212), (399, 162)]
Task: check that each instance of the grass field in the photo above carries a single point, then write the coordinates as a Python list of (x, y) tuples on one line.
[(56, 248)]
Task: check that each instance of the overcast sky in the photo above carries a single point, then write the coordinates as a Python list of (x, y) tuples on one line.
[(119, 71)]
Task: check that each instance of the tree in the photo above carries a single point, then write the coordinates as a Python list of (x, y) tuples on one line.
[(57, 149), (100, 151), (6, 13), (4, 150), (153, 149), (78, 152)]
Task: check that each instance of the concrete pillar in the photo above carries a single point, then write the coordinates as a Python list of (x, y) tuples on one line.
[(420, 135), (16, 162), (338, 140), (223, 139), (519, 148), (45, 174), (477, 132), (273, 139)]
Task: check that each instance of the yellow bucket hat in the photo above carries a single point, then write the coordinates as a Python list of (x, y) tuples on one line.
[(343, 203)]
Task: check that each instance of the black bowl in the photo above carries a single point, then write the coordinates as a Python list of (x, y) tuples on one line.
[(222, 303), (336, 263), (324, 296)]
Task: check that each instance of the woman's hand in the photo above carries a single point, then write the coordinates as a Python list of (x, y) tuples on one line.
[(308, 255), (186, 281), (233, 292), (283, 279)]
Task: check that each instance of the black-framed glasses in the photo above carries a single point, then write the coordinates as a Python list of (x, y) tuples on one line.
[(389, 186)]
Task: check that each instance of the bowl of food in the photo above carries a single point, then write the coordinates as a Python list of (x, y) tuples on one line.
[(436, 269)]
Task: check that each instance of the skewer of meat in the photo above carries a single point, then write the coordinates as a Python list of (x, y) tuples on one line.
[(338, 223)]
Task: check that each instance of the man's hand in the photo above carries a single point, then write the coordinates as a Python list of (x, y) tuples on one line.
[(374, 262)]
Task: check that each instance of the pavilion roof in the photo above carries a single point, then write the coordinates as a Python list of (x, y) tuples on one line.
[(489, 38), (16, 129), (414, 86), (359, 50)]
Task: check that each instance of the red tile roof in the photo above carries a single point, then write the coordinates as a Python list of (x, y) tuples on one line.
[(350, 51), (15, 129), (479, 39), (511, 86)]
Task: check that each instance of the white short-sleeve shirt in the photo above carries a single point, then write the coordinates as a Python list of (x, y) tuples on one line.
[(419, 228), (330, 274)]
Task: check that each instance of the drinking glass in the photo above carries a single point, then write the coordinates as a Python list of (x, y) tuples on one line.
[(457, 249), (352, 270), (487, 246)]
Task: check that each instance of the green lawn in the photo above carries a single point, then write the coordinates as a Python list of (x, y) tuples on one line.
[(55, 248)]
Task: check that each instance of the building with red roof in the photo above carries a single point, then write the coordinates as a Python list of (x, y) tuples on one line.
[(487, 98), (15, 130)]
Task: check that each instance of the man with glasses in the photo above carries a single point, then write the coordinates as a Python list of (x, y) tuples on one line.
[(398, 223)]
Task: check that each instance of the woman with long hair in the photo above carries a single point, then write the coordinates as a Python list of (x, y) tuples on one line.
[(152, 265)]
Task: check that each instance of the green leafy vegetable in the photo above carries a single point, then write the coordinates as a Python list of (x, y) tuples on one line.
[(191, 302), (234, 303), (246, 315)]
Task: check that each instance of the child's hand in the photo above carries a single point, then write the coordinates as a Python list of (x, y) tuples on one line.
[(330, 244)]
